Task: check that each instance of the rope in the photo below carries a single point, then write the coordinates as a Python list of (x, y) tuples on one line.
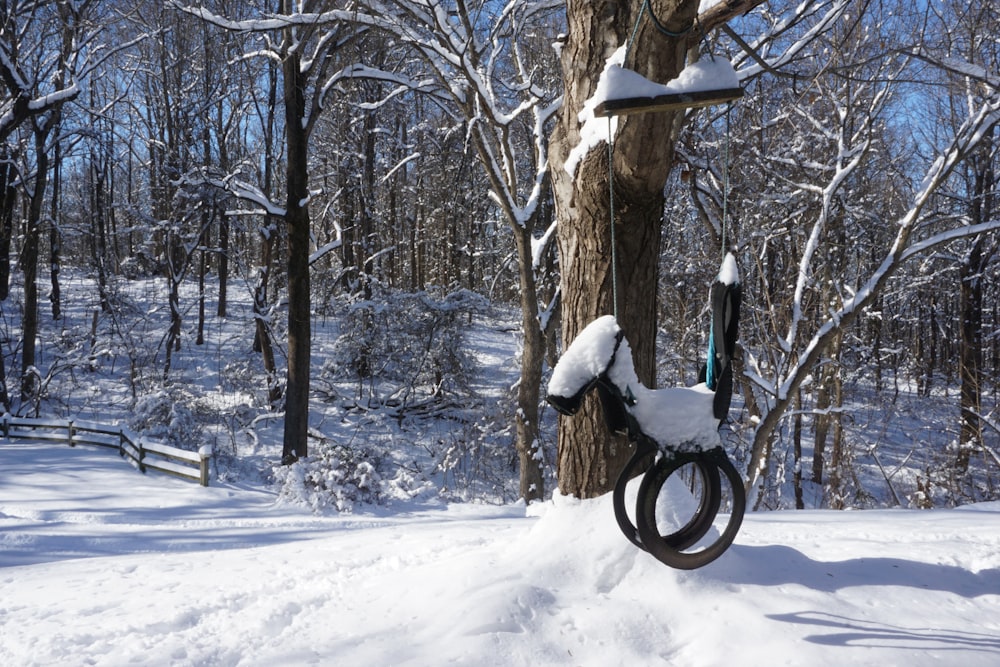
[(725, 183), (660, 26), (646, 8), (611, 210)]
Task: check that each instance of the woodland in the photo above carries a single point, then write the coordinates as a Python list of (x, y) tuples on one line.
[(403, 168)]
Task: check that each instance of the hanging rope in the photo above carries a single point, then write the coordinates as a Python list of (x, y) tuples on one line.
[(647, 9), (725, 185), (611, 210)]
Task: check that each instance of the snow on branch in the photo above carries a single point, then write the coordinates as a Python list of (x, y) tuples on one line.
[(833, 13), (959, 67), (325, 250), (975, 130), (54, 98), (267, 22), (240, 190), (402, 83)]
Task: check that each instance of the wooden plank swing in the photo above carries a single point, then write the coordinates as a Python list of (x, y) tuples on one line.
[(667, 102)]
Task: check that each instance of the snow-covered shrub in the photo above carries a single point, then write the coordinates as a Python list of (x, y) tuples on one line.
[(167, 416), (477, 460), (141, 263), (404, 348), (948, 484), (333, 477)]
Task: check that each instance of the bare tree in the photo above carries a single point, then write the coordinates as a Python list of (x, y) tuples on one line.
[(482, 71), (960, 42), (309, 42), (39, 68)]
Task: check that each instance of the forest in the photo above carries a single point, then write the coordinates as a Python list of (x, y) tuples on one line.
[(352, 190)]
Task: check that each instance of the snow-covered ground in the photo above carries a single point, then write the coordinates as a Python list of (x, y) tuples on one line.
[(100, 565)]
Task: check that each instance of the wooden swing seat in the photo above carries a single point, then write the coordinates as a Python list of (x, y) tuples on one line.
[(672, 101)]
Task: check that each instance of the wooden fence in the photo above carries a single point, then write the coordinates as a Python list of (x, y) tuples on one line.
[(143, 453)]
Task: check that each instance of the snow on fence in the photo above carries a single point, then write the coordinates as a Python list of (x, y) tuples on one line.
[(140, 451)]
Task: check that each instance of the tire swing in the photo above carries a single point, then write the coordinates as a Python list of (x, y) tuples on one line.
[(675, 430)]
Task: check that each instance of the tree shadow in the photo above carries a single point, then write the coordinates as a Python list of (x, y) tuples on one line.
[(849, 632), (777, 565), (774, 565), (59, 503)]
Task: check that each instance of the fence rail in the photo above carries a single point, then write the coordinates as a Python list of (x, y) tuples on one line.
[(142, 452)]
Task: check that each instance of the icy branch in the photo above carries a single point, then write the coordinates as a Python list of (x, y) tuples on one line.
[(971, 134)]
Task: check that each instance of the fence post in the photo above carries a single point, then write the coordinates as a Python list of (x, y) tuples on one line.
[(205, 452), (69, 433), (6, 425)]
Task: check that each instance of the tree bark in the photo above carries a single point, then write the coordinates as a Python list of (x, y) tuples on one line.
[(797, 452), (295, 442), (29, 267), (970, 355), (8, 200), (262, 341), (55, 236), (222, 305), (529, 386), (972, 375)]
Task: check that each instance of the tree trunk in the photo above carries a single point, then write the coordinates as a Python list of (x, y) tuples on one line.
[(98, 223), (589, 459), (268, 232), (55, 236), (970, 356), (29, 267), (295, 443), (262, 335), (222, 305), (529, 386), (4, 394), (8, 199), (797, 452), (972, 274), (175, 259), (202, 270), (821, 428)]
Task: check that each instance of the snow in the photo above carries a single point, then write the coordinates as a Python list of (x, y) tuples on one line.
[(594, 130), (709, 73), (55, 98), (678, 415), (539, 245), (673, 416), (617, 82), (101, 565), (729, 272), (587, 357)]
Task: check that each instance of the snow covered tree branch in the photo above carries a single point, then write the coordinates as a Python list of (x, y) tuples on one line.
[(977, 128)]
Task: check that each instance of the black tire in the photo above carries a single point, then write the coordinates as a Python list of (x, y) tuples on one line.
[(638, 461), (649, 491), (701, 520)]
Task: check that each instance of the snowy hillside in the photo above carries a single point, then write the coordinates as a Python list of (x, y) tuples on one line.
[(100, 565)]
